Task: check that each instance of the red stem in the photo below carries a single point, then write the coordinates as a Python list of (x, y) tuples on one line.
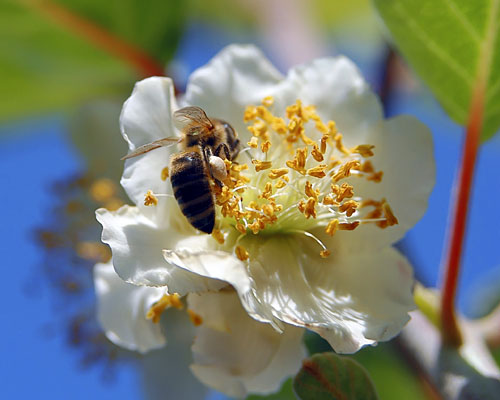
[(451, 333), (138, 59)]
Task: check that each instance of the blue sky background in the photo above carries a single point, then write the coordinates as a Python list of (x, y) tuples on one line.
[(37, 152)]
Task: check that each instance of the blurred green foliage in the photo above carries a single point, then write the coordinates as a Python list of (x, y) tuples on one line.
[(447, 42), (327, 376), (47, 65)]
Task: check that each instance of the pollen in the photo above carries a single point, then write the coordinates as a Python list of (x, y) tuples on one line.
[(150, 199), (261, 165), (277, 173), (195, 318), (365, 150), (166, 301), (164, 174), (254, 142), (296, 185), (218, 236), (325, 253), (241, 253)]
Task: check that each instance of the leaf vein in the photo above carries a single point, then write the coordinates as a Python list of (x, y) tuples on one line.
[(431, 45), (463, 20)]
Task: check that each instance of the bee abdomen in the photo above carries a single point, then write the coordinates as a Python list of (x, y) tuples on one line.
[(192, 190)]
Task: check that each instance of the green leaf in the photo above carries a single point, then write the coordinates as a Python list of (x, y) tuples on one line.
[(48, 65), (327, 376), (454, 46)]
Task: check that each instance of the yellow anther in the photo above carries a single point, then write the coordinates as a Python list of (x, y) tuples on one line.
[(195, 319), (240, 227), (345, 170), (265, 114), (259, 128), (113, 204), (164, 174), (365, 150), (332, 128), (268, 209), (175, 301), (389, 215), (93, 251), (256, 226), (310, 192), (348, 226), (325, 253), (306, 139), (150, 199), (328, 200), (265, 146), (282, 182), (268, 101), (268, 191), (279, 125), (218, 236), (316, 153), (349, 207), (277, 173), (102, 189), (345, 191), (310, 208), (367, 167), (250, 114), (339, 144), (332, 227), (318, 171), (324, 141), (376, 177), (166, 301), (261, 165), (241, 253), (254, 142)]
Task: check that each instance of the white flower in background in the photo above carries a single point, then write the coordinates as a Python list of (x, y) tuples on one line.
[(305, 221)]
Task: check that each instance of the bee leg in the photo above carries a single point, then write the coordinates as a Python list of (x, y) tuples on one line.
[(223, 147), (207, 153)]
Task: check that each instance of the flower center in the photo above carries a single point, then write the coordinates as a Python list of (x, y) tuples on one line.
[(299, 179)]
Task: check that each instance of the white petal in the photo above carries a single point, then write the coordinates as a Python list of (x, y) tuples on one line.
[(236, 77), (238, 355), (404, 152), (339, 92), (137, 244), (122, 309), (147, 116), (351, 299)]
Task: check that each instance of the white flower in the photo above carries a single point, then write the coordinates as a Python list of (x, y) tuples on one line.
[(306, 232)]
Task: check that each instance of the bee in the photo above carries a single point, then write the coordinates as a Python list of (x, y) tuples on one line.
[(204, 142)]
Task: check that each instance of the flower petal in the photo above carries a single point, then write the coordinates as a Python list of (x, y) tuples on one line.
[(122, 309), (404, 152), (238, 355), (147, 116), (137, 244), (237, 76), (351, 299), (337, 89)]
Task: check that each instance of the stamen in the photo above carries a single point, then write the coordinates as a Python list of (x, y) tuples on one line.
[(365, 150), (254, 142), (195, 319), (325, 252), (241, 253), (172, 300), (261, 165), (164, 174), (150, 199), (277, 173), (218, 236)]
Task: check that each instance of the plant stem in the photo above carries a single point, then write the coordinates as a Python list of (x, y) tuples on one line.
[(133, 56), (451, 333)]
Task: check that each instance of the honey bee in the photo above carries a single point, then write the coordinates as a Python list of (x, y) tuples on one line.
[(204, 142)]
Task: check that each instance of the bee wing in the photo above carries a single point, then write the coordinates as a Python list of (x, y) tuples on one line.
[(193, 115), (165, 142)]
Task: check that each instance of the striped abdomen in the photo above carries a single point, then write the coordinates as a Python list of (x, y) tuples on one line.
[(192, 191)]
